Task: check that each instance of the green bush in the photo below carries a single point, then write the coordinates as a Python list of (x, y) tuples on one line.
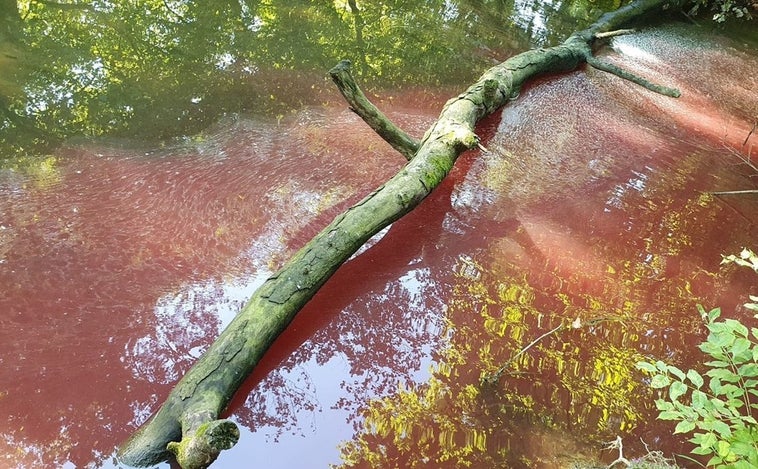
[(724, 9), (717, 408)]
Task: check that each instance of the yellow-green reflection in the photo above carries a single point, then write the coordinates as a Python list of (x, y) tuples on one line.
[(597, 306)]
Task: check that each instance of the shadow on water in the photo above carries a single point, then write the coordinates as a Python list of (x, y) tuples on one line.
[(119, 264)]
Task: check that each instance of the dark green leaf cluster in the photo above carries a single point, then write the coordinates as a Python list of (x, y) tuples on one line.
[(716, 408)]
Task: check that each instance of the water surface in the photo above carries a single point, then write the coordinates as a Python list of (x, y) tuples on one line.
[(122, 259)]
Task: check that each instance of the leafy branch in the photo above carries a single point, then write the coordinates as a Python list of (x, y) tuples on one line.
[(719, 416)]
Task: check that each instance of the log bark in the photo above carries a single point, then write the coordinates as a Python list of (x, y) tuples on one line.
[(187, 425)]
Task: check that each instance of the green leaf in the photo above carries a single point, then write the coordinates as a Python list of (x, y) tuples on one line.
[(723, 448), (736, 327), (718, 327), (740, 346), (731, 391), (748, 370), (718, 404), (699, 400), (743, 444), (695, 378), (702, 450), (676, 372), (742, 464), (677, 390), (715, 385), (722, 429), (660, 404), (697, 438), (723, 339), (646, 366), (685, 426), (659, 381), (743, 357), (688, 413), (709, 440), (723, 374), (713, 350), (717, 364), (735, 404), (714, 314), (670, 415)]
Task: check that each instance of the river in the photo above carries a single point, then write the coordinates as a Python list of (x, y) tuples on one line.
[(139, 212)]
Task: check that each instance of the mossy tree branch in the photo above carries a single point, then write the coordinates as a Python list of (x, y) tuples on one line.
[(398, 139), (188, 422)]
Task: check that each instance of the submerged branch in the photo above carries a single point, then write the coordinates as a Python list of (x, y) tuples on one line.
[(493, 378), (620, 72), (400, 141)]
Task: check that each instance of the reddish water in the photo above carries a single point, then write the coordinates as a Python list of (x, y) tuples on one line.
[(118, 267)]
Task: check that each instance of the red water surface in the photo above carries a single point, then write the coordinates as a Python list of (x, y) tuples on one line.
[(118, 266)]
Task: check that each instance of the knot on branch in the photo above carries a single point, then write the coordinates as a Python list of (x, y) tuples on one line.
[(456, 135), (200, 448), (464, 137)]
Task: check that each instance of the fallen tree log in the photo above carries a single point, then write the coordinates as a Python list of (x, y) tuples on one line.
[(187, 425)]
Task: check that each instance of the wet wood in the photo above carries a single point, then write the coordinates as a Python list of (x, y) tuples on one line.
[(359, 103)]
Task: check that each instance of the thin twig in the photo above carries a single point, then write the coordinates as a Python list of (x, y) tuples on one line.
[(748, 191), (496, 375), (576, 324), (744, 159), (172, 11), (755, 124)]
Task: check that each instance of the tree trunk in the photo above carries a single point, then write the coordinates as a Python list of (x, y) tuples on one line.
[(188, 424)]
